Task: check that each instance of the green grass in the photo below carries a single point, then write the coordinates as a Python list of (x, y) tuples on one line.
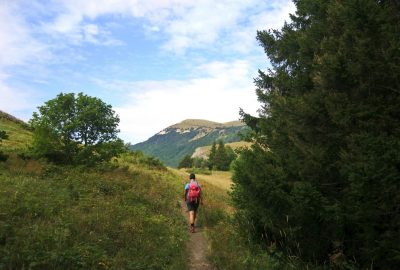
[(20, 137), (117, 216), (228, 249)]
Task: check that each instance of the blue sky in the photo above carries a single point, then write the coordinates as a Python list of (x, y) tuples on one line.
[(157, 62)]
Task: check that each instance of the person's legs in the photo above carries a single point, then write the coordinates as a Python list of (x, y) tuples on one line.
[(192, 217), (191, 220), (192, 209)]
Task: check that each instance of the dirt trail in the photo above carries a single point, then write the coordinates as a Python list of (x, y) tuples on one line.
[(197, 247)]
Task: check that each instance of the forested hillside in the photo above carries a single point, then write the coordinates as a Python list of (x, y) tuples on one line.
[(175, 142)]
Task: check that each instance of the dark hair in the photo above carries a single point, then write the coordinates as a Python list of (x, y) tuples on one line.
[(192, 176)]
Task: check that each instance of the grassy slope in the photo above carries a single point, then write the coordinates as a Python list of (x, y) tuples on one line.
[(191, 123), (19, 134), (204, 151), (117, 216), (113, 217)]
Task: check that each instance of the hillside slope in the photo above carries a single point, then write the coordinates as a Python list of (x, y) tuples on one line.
[(108, 216), (204, 151), (171, 144), (19, 133)]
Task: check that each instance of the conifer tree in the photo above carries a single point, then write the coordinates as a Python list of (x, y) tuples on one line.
[(3, 135), (323, 176), (211, 156), (186, 162), (221, 158)]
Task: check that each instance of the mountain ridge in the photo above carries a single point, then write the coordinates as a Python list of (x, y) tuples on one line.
[(187, 123), (171, 144)]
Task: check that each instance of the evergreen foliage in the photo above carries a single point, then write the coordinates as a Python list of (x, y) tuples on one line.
[(221, 156), (76, 129), (322, 181), (186, 162), (3, 136), (211, 156), (199, 162)]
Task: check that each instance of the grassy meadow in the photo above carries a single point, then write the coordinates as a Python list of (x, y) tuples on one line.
[(117, 215), (113, 217), (19, 133), (227, 248)]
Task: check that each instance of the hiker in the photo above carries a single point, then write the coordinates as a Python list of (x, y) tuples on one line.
[(193, 199)]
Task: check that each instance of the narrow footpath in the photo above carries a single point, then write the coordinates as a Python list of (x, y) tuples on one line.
[(197, 247)]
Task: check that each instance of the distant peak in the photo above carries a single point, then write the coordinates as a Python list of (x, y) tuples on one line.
[(193, 123)]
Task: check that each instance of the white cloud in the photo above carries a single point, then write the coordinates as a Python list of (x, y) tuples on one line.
[(217, 91), (71, 22), (150, 106), (243, 39), (13, 101), (17, 46), (186, 24), (228, 25)]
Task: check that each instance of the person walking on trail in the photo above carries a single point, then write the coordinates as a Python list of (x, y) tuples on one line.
[(193, 199)]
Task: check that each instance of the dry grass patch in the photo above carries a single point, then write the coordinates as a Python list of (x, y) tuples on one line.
[(220, 179), (204, 151)]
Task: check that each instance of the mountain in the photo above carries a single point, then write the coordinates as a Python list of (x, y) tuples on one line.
[(174, 142)]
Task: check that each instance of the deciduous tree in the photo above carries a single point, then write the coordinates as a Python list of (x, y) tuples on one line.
[(76, 128)]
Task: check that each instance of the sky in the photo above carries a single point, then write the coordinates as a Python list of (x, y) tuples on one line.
[(156, 62)]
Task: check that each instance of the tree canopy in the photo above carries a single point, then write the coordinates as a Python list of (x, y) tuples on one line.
[(221, 156), (322, 179), (186, 162), (76, 128)]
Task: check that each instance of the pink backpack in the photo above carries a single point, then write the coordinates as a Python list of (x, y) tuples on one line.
[(194, 192)]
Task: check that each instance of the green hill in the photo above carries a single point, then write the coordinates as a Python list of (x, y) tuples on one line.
[(110, 216), (173, 143), (19, 133)]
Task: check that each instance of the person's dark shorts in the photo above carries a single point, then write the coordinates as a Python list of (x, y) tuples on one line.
[(192, 206)]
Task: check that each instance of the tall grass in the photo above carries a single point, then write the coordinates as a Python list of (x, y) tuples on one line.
[(229, 247), (115, 216), (20, 137)]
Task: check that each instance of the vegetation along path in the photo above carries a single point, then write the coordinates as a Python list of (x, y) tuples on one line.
[(197, 247), (198, 244)]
